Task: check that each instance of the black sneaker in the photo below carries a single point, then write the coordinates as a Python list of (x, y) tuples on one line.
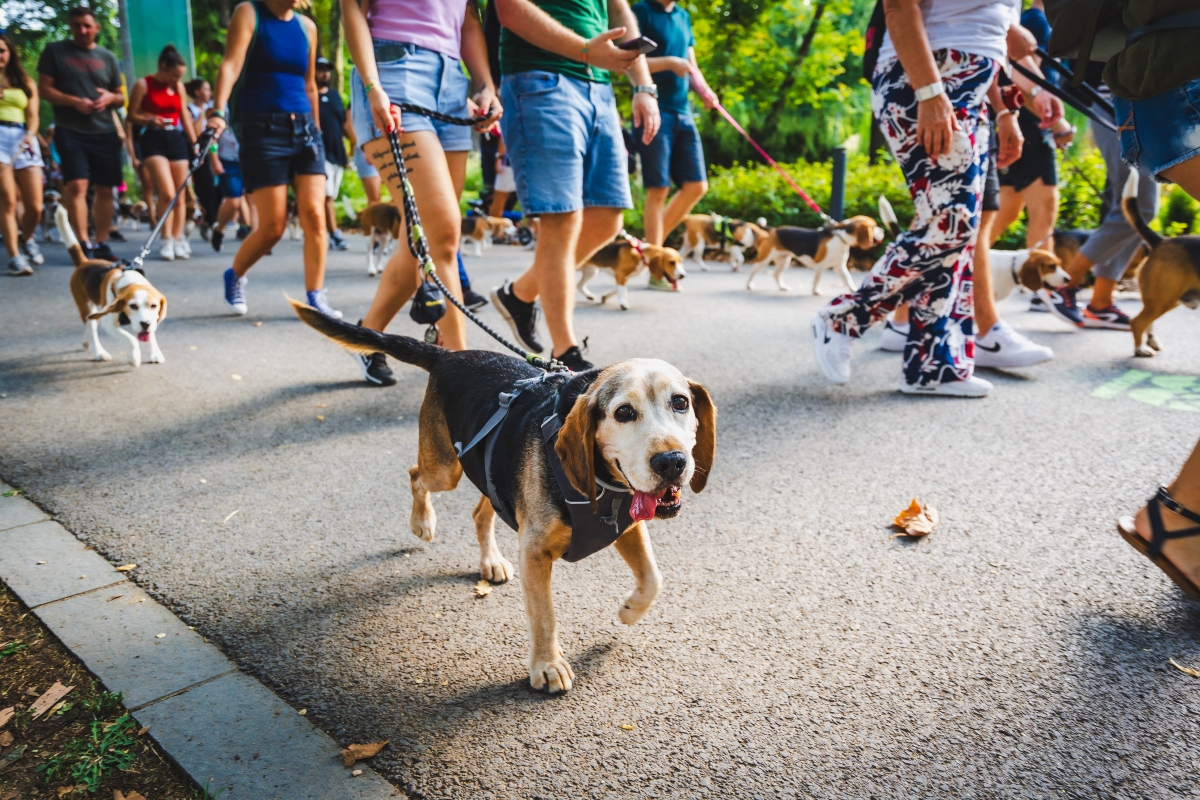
[(1061, 303), (216, 239), (103, 252), (572, 358), (521, 317), (116, 235), (375, 369), (473, 299), (242, 232)]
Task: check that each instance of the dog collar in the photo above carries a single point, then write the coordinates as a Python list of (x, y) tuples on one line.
[(638, 246)]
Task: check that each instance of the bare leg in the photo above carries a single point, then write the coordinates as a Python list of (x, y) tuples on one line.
[(271, 204), (75, 200), (102, 211), (1183, 553), (1011, 206), (310, 205), (1041, 203), (8, 209), (1187, 175), (681, 205), (330, 215), (164, 184), (986, 314), (499, 201), (29, 181), (371, 187), (178, 178), (652, 213), (634, 547)]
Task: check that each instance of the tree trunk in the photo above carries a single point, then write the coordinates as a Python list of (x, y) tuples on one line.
[(224, 12), (336, 45), (793, 72)]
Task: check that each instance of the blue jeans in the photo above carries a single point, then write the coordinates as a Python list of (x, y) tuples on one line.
[(277, 147), (1161, 131), (563, 137), (675, 154), (412, 74)]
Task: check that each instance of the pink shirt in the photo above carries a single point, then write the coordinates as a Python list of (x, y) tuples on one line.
[(433, 24)]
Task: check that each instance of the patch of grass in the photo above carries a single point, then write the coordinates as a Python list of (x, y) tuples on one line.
[(108, 749), (104, 703), (206, 792), (11, 648)]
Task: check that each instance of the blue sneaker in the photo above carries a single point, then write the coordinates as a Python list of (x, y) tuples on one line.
[(235, 292), (1061, 303), (320, 302)]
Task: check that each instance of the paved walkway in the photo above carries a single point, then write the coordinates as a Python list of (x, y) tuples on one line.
[(796, 649)]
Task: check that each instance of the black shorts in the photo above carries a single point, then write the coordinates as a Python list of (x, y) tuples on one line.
[(277, 147), (991, 183), (1037, 157), (170, 144), (94, 157)]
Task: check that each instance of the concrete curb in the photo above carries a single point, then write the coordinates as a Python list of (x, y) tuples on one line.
[(222, 727)]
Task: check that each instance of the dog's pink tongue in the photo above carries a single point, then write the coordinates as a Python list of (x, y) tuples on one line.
[(143, 336), (644, 505)]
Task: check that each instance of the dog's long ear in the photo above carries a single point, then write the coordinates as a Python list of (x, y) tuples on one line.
[(706, 435), (1030, 273), (864, 232), (162, 308), (657, 265), (576, 447), (117, 306)]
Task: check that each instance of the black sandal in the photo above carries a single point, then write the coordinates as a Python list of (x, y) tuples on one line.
[(1158, 535)]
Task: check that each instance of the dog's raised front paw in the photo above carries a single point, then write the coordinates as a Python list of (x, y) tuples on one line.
[(424, 526), (1143, 352), (634, 608), (495, 568), (554, 675)]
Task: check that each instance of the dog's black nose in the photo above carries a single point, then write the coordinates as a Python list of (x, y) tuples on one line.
[(145, 326), (670, 464)]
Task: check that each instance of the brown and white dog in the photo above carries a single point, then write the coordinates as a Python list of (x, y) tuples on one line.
[(700, 233), (640, 424), (103, 289), (819, 249), (1035, 270), (381, 224), (1170, 275), (480, 231), (625, 263)]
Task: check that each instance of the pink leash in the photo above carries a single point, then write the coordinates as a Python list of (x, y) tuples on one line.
[(707, 93)]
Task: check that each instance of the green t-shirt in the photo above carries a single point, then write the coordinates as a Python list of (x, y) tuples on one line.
[(81, 73), (1158, 62), (588, 18)]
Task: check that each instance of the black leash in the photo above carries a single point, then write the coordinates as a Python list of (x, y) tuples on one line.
[(1066, 97), (205, 139), (418, 245)]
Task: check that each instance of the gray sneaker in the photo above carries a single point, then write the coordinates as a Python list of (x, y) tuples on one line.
[(32, 252), (19, 265)]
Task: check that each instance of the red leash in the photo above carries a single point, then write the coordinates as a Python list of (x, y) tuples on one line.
[(707, 93)]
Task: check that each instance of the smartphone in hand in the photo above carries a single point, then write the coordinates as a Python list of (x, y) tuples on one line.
[(641, 44)]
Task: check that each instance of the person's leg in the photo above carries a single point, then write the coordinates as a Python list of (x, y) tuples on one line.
[(1012, 203), (29, 182), (986, 314), (8, 209), (270, 202), (372, 188), (164, 184), (310, 208), (1186, 175), (1185, 490), (229, 209), (437, 178), (499, 201), (1041, 204), (652, 213), (178, 178), (330, 216), (552, 276), (75, 200), (689, 173), (681, 205), (102, 212)]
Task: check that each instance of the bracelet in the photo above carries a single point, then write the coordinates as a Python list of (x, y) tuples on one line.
[(217, 112), (370, 86), (1004, 112), (585, 58), (929, 92)]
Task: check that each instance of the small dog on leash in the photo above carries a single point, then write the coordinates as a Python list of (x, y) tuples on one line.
[(1170, 275), (480, 231), (50, 208), (623, 439), (625, 263), (103, 289), (381, 224), (294, 231), (703, 232), (819, 249)]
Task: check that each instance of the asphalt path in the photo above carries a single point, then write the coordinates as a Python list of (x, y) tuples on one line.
[(797, 649)]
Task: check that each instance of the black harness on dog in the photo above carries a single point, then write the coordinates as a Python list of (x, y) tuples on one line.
[(591, 531)]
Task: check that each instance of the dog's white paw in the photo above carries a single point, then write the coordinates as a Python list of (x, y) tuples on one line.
[(750, 286), (156, 357), (554, 675), (101, 355), (424, 526), (634, 608), (1143, 352), (783, 287), (495, 568), (1152, 342)]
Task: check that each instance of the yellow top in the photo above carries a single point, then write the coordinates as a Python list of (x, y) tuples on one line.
[(12, 105)]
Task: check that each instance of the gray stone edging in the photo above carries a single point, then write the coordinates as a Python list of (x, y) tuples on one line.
[(223, 728)]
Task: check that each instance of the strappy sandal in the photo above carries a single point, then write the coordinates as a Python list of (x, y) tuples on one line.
[(1158, 535)]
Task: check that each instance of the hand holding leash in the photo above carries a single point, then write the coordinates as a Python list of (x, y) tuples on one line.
[(488, 106)]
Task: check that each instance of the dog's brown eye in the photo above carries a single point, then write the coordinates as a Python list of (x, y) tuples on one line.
[(133, 306), (680, 403), (625, 413)]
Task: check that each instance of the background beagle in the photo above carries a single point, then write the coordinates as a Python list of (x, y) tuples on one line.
[(103, 289), (639, 427), (819, 249), (1036, 270), (620, 259), (380, 223), (480, 231), (705, 231)]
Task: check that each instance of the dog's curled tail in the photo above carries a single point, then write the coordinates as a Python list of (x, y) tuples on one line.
[(68, 236), (887, 215), (364, 340), (1129, 205)]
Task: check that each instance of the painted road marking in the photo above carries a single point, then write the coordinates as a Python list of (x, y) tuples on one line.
[(1175, 392)]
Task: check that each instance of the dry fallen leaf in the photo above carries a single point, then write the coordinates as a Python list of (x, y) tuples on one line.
[(63, 791), (302, 711), (127, 568), (134, 796), (1187, 670), (357, 752), (6, 738), (114, 597), (916, 520), (6, 714), (143, 731), (46, 701), (626, 727), (32, 691), (356, 772), (258, 324), (483, 589)]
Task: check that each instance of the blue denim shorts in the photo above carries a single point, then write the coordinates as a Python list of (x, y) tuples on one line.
[(563, 138), (276, 147), (230, 180), (1161, 131), (412, 74), (675, 154), (362, 166)]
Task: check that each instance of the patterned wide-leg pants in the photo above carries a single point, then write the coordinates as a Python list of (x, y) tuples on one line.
[(929, 265)]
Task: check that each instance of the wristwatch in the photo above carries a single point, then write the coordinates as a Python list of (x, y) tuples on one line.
[(929, 92), (651, 90), (1034, 92)]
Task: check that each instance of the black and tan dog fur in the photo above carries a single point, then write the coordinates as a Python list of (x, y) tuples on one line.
[(1169, 276), (620, 417), (818, 249), (382, 224), (700, 234), (625, 263)]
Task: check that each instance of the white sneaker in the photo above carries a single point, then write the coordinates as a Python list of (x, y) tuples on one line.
[(894, 337), (182, 248), (833, 350), (1003, 348), (167, 253), (971, 387)]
